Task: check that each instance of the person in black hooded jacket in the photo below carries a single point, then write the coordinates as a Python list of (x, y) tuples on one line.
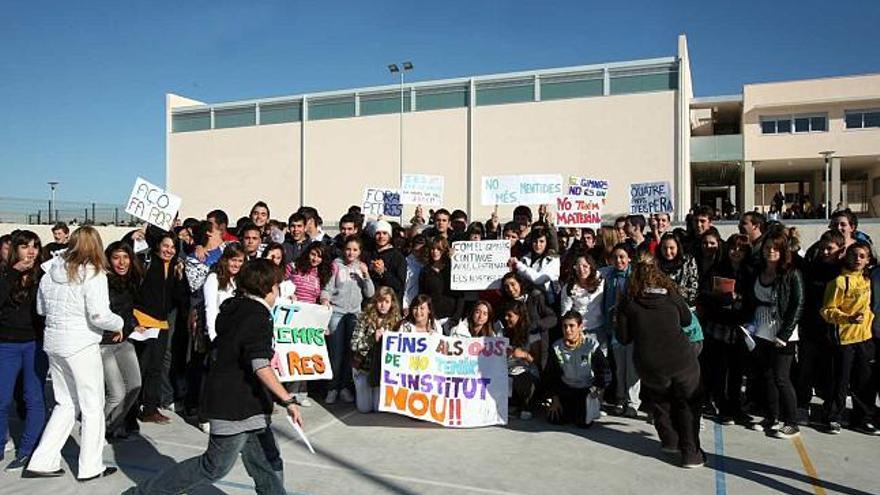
[(238, 394), (651, 317)]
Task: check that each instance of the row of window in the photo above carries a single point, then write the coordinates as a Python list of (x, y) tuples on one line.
[(787, 124), (490, 93)]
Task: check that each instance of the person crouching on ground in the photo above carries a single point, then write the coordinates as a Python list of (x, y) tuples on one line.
[(238, 395), (576, 369), (651, 317)]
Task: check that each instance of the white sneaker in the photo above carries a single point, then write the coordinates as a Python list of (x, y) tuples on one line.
[(525, 415), (303, 401), (331, 397), (10, 445), (346, 396), (205, 428)]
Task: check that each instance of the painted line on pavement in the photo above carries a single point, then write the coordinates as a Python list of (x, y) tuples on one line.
[(720, 475), (331, 422), (808, 465)]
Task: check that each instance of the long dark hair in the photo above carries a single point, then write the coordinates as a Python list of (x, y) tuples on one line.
[(443, 262), (135, 272), (593, 280), (325, 269), (418, 301), (518, 335), (222, 267), (524, 286), (29, 280)]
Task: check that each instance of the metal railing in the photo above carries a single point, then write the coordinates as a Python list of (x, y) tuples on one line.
[(35, 211)]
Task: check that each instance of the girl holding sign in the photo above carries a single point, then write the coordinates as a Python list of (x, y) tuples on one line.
[(382, 314)]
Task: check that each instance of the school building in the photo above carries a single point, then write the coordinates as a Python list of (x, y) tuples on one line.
[(626, 122)]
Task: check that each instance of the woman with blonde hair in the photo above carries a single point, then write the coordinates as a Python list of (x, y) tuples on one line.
[(382, 314), (73, 296)]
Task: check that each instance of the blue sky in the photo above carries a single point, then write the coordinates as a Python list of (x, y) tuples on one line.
[(83, 83)]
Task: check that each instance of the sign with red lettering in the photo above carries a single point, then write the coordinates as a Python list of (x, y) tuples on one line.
[(300, 343), (582, 204), (454, 382)]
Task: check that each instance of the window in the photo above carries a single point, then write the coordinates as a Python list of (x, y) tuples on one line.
[(193, 121), (642, 80), (573, 86), (278, 113), (440, 98), (331, 108), (787, 124), (498, 93), (862, 119), (383, 103), (235, 117)]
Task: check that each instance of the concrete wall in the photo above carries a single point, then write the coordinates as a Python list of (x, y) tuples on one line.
[(623, 138), (831, 96)]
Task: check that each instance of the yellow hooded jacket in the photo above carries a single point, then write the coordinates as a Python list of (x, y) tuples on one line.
[(847, 295)]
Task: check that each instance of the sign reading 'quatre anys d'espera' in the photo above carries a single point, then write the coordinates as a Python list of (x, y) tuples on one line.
[(647, 198), (153, 204), (300, 344)]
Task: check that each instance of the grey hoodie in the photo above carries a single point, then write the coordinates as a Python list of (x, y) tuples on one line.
[(347, 288)]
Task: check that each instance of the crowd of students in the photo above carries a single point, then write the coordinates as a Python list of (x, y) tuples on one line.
[(634, 318)]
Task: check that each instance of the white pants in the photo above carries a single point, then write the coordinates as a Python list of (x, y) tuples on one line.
[(78, 384), (366, 397)]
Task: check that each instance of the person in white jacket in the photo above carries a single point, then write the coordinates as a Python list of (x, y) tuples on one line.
[(539, 267), (74, 298), (584, 293)]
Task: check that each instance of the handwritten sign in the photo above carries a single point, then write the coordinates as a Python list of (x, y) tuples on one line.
[(381, 201), (650, 197), (300, 344), (583, 203), (418, 189), (152, 204), (454, 382), (521, 189), (479, 265)]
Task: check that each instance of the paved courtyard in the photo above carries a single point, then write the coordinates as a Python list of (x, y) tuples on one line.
[(383, 453)]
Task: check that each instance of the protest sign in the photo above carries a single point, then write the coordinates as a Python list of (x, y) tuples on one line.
[(479, 265), (650, 197), (426, 190), (300, 345), (380, 201), (521, 189), (583, 203), (455, 382), (152, 204)]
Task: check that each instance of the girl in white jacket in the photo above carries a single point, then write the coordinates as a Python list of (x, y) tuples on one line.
[(73, 297), (539, 267)]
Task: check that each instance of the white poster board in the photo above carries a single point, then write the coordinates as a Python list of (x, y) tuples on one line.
[(381, 201), (425, 190), (583, 203), (479, 265), (521, 189), (647, 198), (152, 204), (300, 343), (454, 382)]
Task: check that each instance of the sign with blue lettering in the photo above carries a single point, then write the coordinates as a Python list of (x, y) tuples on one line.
[(647, 198), (521, 189)]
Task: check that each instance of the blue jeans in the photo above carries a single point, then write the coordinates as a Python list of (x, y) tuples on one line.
[(339, 349), (216, 463), (28, 359)]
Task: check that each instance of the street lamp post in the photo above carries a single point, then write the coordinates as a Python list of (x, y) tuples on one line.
[(394, 69), (52, 185), (827, 156)]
